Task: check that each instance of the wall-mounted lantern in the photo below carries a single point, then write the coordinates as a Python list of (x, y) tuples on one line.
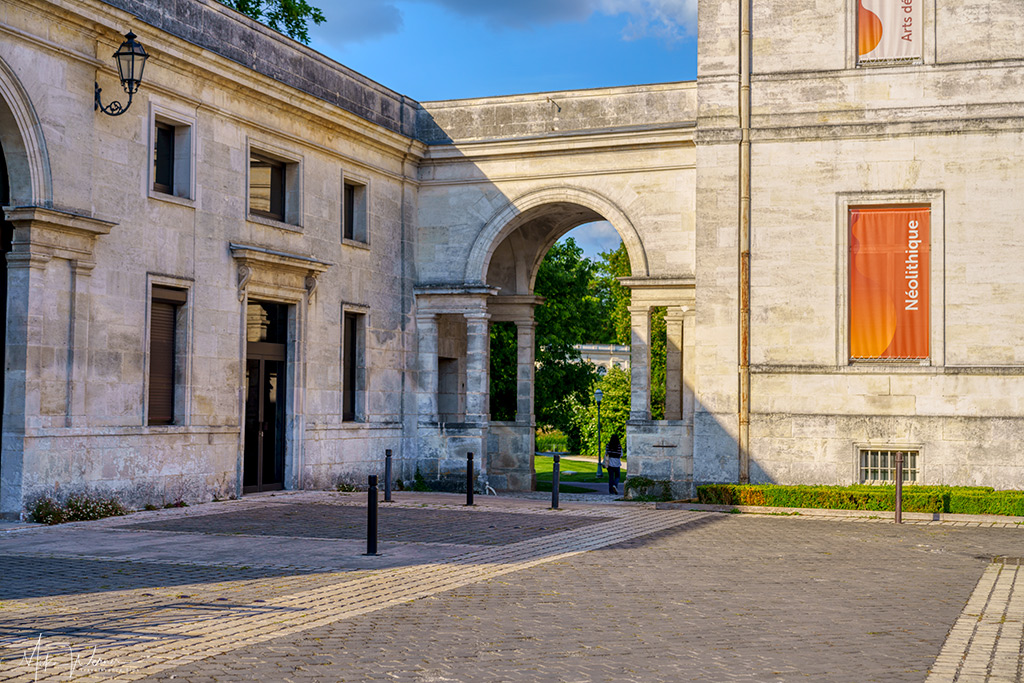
[(131, 61)]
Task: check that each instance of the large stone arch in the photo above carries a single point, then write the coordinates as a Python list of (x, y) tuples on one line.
[(24, 146), (517, 211)]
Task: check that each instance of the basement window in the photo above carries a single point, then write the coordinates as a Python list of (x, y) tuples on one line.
[(878, 466)]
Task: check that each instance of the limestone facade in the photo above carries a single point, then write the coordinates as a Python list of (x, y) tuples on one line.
[(312, 344)]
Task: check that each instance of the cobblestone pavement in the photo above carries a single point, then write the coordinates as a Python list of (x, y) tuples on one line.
[(592, 593)]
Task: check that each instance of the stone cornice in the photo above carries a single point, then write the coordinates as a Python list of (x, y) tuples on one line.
[(54, 232), (274, 273), (575, 142)]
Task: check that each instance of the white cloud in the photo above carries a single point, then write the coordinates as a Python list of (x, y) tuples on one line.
[(668, 20)]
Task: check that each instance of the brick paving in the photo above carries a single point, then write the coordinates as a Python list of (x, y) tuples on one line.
[(399, 524), (595, 593)]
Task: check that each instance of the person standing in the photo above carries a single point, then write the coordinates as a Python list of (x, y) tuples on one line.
[(613, 461)]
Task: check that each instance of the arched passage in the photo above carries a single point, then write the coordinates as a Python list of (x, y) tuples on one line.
[(24, 181), (556, 210), (24, 147), (521, 236)]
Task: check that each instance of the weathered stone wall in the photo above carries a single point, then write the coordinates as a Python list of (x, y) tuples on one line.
[(945, 132), (84, 417)]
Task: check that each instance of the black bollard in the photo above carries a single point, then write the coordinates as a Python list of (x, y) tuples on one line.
[(899, 487), (469, 478), (554, 482), (371, 517), (387, 475)]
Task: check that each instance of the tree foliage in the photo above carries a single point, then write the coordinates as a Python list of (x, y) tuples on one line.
[(613, 265), (290, 17), (584, 304), (615, 386)]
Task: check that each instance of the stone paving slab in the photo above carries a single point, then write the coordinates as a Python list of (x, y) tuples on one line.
[(723, 598), (633, 595), (400, 524)]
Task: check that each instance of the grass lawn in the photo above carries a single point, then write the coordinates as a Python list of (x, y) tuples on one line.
[(584, 470)]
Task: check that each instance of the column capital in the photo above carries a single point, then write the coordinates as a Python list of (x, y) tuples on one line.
[(640, 309), (477, 315)]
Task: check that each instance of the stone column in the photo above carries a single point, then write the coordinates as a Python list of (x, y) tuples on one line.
[(525, 364), (640, 363), (674, 363), (478, 367), (689, 362), (426, 367), (79, 342), (26, 283)]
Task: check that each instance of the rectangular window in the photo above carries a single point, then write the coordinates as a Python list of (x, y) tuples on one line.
[(889, 31), (172, 158), (163, 330), (879, 466), (889, 283), (353, 213), (266, 187), (352, 366), (163, 159)]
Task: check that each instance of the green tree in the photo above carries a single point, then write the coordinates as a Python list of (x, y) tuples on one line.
[(290, 17), (504, 360), (570, 315), (613, 265), (614, 412)]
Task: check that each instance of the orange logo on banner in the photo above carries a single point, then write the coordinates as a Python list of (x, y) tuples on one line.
[(869, 33), (889, 257)]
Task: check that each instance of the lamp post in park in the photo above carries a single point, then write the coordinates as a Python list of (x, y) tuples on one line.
[(598, 395)]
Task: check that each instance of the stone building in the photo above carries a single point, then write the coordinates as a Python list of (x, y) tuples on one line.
[(269, 269)]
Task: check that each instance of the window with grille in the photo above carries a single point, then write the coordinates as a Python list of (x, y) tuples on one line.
[(878, 466)]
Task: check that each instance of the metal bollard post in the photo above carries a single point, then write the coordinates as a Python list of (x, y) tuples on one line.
[(371, 517), (469, 478), (387, 475), (899, 487), (554, 482)]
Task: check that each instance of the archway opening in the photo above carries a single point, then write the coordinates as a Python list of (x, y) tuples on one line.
[(556, 269)]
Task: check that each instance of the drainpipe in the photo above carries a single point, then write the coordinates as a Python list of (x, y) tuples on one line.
[(743, 445)]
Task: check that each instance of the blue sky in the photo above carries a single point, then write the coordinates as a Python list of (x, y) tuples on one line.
[(454, 49)]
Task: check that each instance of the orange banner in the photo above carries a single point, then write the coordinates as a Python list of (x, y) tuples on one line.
[(888, 30), (889, 283)]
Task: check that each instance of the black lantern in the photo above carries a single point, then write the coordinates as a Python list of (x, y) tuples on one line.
[(131, 61)]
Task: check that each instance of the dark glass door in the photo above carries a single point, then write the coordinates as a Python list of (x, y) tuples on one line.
[(265, 399)]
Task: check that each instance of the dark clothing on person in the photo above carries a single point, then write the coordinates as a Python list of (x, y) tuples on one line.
[(613, 461)]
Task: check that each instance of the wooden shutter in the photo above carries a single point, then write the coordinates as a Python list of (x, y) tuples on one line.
[(162, 327)]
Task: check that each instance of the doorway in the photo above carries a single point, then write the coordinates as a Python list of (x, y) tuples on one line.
[(266, 396)]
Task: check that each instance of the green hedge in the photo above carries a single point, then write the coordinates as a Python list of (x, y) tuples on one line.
[(973, 500)]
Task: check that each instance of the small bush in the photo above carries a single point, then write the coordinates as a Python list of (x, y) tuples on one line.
[(346, 487), (76, 508), (419, 483), (643, 488), (553, 440)]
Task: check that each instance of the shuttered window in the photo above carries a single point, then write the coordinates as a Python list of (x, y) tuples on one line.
[(162, 332)]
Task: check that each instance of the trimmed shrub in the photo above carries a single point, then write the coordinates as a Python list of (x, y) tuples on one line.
[(970, 500), (827, 497), (994, 503)]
